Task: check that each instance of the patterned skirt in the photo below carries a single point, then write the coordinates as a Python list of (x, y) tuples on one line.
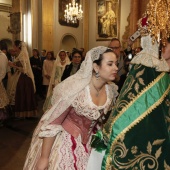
[(4, 101), (67, 153)]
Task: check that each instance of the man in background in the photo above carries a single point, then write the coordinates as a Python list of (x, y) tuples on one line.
[(43, 56), (121, 74)]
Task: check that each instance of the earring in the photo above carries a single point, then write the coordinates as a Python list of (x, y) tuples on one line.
[(97, 75)]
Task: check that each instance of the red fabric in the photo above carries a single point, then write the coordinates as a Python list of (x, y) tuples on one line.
[(144, 21), (73, 148)]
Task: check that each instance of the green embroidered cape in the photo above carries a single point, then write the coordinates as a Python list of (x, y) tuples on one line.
[(138, 129)]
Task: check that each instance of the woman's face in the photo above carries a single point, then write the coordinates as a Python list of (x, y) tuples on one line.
[(35, 53), (76, 58), (15, 48), (49, 56), (62, 55), (108, 69)]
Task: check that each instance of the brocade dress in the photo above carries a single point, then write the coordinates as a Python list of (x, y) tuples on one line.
[(73, 130)]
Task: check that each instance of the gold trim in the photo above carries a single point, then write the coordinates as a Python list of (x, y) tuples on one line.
[(131, 102), (139, 118)]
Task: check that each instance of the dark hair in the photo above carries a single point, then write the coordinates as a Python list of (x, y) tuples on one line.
[(62, 51), (74, 52), (3, 46), (115, 39), (35, 49), (44, 50), (52, 54), (99, 61), (17, 43)]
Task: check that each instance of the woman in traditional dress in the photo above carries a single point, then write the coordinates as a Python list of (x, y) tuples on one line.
[(58, 68), (47, 69), (21, 86), (62, 59), (61, 139), (4, 101), (36, 65)]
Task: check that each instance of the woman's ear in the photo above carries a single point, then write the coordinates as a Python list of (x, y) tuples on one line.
[(95, 67)]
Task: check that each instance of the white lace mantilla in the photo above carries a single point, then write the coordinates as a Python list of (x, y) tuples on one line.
[(149, 56)]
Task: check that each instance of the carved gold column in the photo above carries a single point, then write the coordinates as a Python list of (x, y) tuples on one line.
[(35, 28), (15, 8), (86, 24), (48, 25)]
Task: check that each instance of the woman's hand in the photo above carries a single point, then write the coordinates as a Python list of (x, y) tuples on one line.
[(47, 76), (11, 64), (42, 164)]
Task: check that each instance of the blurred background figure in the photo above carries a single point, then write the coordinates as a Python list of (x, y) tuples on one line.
[(4, 101), (36, 65), (115, 45), (4, 49), (76, 58), (21, 86), (47, 69), (59, 65), (83, 53), (43, 55)]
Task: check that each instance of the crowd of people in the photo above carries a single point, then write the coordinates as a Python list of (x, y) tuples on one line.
[(35, 76), (27, 79), (102, 110)]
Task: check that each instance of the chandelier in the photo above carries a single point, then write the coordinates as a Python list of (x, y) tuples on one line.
[(73, 12)]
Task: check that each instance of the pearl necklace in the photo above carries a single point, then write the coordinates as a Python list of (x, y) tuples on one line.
[(97, 90)]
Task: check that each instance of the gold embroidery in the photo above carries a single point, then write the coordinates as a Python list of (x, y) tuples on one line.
[(140, 160), (142, 116), (128, 84), (140, 73), (137, 88), (166, 166), (131, 96), (167, 117), (137, 66), (167, 102), (124, 105)]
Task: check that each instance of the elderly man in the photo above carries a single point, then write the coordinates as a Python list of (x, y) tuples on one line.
[(121, 75)]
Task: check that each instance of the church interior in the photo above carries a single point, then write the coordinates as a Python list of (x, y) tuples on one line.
[(41, 24)]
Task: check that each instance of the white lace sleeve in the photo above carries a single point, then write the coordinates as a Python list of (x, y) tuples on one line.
[(50, 130)]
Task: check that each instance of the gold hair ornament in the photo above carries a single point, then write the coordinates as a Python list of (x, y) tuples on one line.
[(156, 20)]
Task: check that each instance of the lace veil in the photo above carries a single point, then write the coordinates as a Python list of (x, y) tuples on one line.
[(149, 56), (23, 57), (66, 91), (55, 78), (57, 61)]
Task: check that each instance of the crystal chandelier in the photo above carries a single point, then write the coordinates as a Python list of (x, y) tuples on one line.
[(73, 12)]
